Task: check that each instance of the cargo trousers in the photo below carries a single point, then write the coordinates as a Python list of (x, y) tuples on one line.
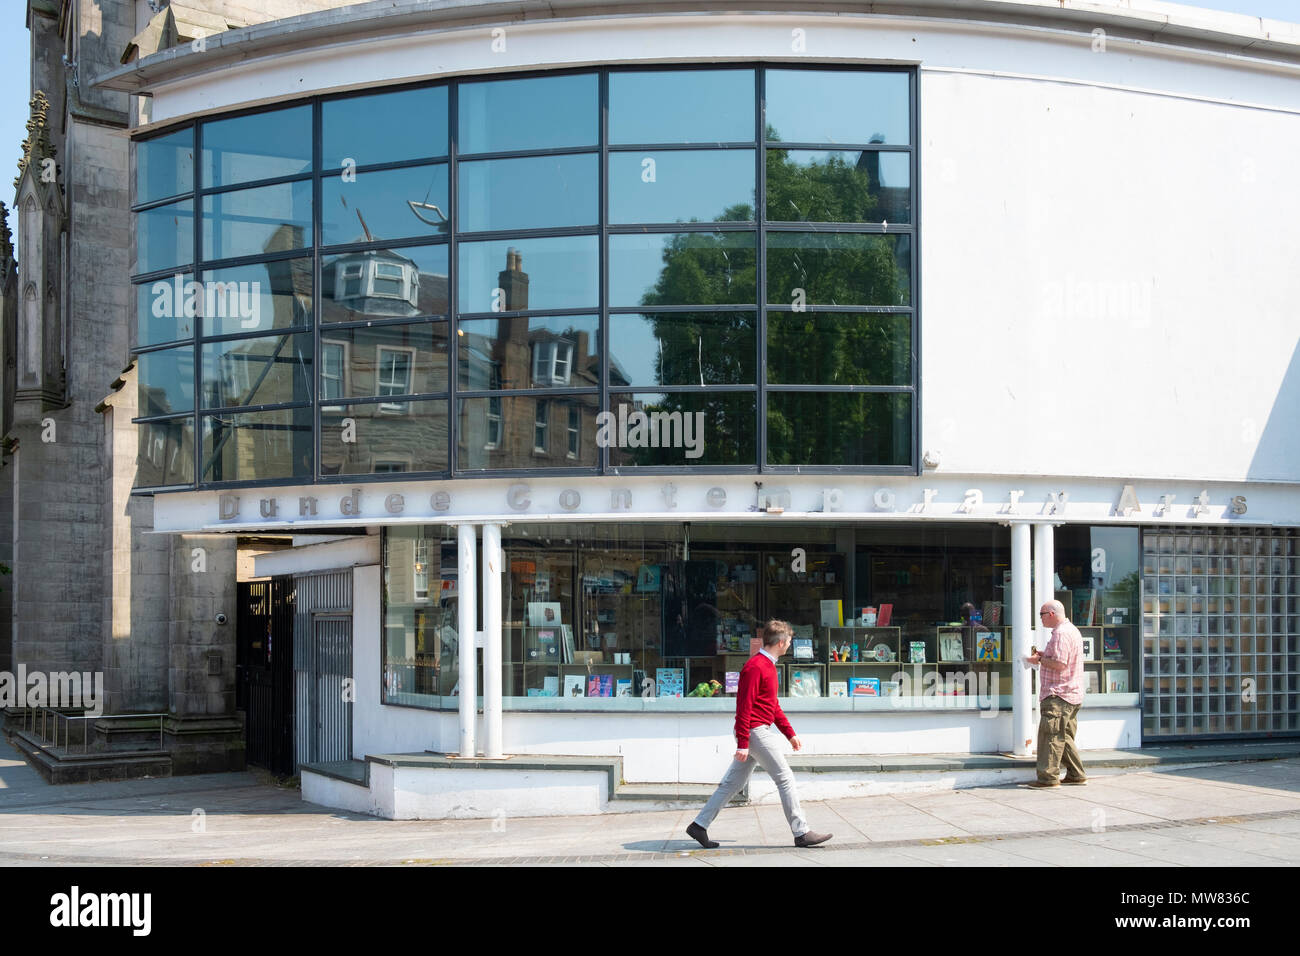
[(1056, 729)]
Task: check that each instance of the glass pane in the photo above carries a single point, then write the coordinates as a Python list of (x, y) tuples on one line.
[(810, 428), (384, 128), (252, 222), (682, 268), (164, 165), (384, 283), (838, 269), (536, 352), (682, 186), (164, 312), (527, 431), (838, 186), (264, 371), (681, 428), (393, 204), (384, 438), (514, 274), (683, 348), (164, 237), (165, 453), (682, 106), (534, 193), (257, 445), (838, 348), (384, 360), (835, 106), (257, 298), (421, 664), (257, 146), (166, 381), (547, 112)]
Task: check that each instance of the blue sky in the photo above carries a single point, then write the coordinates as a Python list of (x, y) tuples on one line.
[(14, 70)]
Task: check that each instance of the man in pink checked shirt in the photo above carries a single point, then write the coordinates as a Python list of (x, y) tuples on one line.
[(1060, 692)]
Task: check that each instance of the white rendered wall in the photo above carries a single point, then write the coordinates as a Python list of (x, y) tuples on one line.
[(1110, 282), (1108, 246)]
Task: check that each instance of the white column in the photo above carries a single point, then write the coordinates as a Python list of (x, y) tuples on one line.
[(467, 590), (1045, 568), (492, 640), (1022, 635)]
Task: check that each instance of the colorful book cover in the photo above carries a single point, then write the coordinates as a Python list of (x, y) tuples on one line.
[(733, 682), (1110, 645), (885, 615), (606, 685), (546, 642), (1118, 681), (647, 578), (839, 688), (574, 685), (623, 687), (593, 685), (803, 650), (670, 681), (891, 688), (916, 652), (988, 646), (864, 686)]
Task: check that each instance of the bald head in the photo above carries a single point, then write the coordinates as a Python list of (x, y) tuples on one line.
[(1052, 613)]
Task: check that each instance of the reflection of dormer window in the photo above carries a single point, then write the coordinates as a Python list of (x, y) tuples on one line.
[(373, 278), (388, 280), (552, 362), (350, 278)]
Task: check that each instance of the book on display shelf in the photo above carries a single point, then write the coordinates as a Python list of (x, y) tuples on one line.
[(575, 685), (670, 681), (864, 686)]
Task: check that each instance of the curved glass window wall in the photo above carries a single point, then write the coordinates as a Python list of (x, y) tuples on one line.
[(462, 278)]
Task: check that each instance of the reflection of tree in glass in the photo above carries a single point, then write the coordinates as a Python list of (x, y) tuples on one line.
[(803, 347)]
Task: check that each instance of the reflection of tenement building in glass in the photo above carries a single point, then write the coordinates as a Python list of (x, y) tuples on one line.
[(452, 279)]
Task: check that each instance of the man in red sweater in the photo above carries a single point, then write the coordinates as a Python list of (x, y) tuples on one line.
[(756, 713)]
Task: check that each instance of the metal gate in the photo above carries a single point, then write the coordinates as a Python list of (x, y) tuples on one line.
[(264, 672), (323, 666)]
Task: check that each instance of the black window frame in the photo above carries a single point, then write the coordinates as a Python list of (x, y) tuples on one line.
[(760, 227)]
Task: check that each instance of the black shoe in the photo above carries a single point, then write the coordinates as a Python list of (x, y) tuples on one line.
[(811, 839), (701, 836)]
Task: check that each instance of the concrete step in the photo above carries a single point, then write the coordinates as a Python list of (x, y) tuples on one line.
[(57, 766)]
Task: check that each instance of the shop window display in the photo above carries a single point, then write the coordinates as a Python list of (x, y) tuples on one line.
[(599, 613)]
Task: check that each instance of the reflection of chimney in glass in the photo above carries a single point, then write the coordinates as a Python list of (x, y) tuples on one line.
[(891, 201), (514, 282)]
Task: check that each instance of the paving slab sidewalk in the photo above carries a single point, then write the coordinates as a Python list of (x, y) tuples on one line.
[(1246, 813)]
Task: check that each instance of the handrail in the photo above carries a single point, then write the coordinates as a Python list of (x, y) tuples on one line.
[(49, 715)]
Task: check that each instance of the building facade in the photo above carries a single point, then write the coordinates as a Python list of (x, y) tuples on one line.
[(589, 342)]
